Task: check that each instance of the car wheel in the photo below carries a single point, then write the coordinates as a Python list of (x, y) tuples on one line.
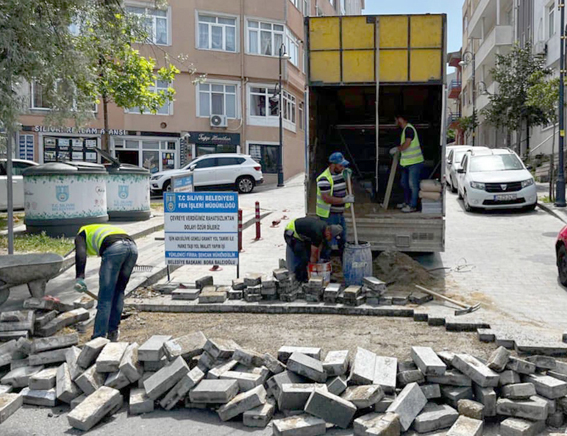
[(468, 207), (245, 185), (167, 186), (562, 265), (460, 196)]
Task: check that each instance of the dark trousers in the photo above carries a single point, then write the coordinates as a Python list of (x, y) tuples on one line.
[(336, 243), (411, 176), (297, 256)]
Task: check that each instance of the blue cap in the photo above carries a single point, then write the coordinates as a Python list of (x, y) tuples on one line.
[(339, 159)]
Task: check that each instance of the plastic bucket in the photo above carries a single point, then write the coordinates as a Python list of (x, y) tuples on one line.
[(357, 263), (322, 270)]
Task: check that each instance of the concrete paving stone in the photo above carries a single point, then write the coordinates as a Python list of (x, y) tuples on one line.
[(45, 398), (336, 385), (117, 380), (555, 420), (214, 391), (557, 375), (220, 348), (185, 294), (547, 386), (109, 358), (551, 404), (238, 284), (331, 408), (427, 361), (243, 402), (560, 366), (66, 389), (453, 394), (10, 403), (300, 425), (209, 296), (529, 346), (154, 366), (363, 369), (466, 427), (336, 362), (408, 365), (140, 402), (153, 349), (477, 371), (90, 352), (72, 358), (167, 377), (435, 417), (543, 362), (411, 376), (15, 316), (187, 346), (286, 351), (364, 396), (76, 401), (23, 320), (130, 365), (486, 335), (19, 377), (183, 386), (451, 378), (39, 304), (408, 404), (520, 427), (521, 366), (365, 422), (499, 359), (43, 380), (145, 376), (294, 396), (385, 373), (509, 377), (246, 381), (535, 408), (383, 405), (431, 390), (277, 381), (235, 295), (90, 380), (471, 409), (260, 416), (85, 302), (204, 281), (205, 361), (46, 344), (19, 363), (248, 357), (389, 425), (5, 389), (48, 357), (518, 391), (307, 366), (94, 408), (63, 320), (221, 368), (273, 364), (8, 336)]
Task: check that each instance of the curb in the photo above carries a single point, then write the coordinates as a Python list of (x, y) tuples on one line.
[(550, 211)]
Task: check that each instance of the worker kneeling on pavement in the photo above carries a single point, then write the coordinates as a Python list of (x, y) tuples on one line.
[(119, 253), (305, 239)]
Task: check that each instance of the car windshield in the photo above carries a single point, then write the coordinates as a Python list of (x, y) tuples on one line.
[(458, 156), (497, 162)]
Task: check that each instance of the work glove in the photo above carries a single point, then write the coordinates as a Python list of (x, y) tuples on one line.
[(393, 151), (349, 199), (80, 285)]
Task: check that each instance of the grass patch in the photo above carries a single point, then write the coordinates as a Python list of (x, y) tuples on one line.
[(18, 219), (158, 207), (545, 199), (40, 243)]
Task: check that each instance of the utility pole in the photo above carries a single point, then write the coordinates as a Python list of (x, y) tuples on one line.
[(560, 187), (464, 63), (280, 105), (9, 187)]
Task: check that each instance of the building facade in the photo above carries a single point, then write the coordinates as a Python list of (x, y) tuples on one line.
[(236, 45)]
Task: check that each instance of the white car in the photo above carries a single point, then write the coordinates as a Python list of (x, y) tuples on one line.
[(233, 170), (18, 166), (454, 164), (496, 179)]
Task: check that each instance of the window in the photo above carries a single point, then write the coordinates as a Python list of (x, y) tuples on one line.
[(499, 162), (38, 96), (266, 156), (302, 6), (217, 33), (154, 154), (158, 86), (292, 48), (301, 115), (288, 107), (551, 20), (262, 103), (206, 163), (155, 22), (217, 100), (226, 161), (265, 38), (202, 150)]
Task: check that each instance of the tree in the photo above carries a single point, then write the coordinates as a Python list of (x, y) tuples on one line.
[(467, 124), (515, 73)]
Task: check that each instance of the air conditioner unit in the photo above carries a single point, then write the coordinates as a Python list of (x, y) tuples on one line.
[(219, 121), (540, 47)]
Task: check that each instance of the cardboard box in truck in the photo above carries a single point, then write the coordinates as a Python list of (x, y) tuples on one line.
[(362, 71)]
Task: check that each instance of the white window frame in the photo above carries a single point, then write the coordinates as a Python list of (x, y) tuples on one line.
[(292, 47), (140, 139), (224, 83), (136, 111), (289, 115), (260, 21), (147, 7), (257, 120), (301, 115), (218, 15), (35, 108), (302, 6), (550, 20)]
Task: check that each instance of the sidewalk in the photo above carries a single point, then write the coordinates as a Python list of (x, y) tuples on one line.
[(543, 193)]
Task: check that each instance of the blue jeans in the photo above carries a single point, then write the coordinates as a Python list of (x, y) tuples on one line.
[(411, 176), (117, 264), (336, 243), (297, 256)]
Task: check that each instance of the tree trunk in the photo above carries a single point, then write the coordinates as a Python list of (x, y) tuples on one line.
[(551, 167), (105, 136), (527, 138)]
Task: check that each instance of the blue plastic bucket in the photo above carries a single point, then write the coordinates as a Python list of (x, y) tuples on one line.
[(357, 263)]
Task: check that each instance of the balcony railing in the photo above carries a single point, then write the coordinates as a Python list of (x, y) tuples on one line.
[(455, 88)]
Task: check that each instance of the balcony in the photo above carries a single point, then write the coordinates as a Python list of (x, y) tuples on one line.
[(483, 98), (501, 36), (452, 121), (455, 89), (487, 14)]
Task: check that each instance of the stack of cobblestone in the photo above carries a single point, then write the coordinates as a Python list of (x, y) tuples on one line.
[(298, 390), (314, 290)]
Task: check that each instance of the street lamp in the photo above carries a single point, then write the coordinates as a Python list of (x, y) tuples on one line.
[(465, 63), (560, 185), (483, 88), (283, 56)]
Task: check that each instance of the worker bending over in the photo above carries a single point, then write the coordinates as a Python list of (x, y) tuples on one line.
[(119, 254), (305, 239)]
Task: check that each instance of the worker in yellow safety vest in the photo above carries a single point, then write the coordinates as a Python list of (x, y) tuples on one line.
[(119, 253), (305, 239), (333, 199), (411, 162)]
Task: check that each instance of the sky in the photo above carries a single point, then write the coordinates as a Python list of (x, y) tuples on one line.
[(453, 9)]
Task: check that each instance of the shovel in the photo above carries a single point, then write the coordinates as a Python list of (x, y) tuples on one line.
[(352, 210), (464, 308)]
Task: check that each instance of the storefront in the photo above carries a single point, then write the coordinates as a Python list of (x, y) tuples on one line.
[(156, 153), (266, 154), (201, 143)]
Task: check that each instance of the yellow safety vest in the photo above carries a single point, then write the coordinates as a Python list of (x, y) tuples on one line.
[(291, 226), (95, 235), (323, 208), (411, 155)]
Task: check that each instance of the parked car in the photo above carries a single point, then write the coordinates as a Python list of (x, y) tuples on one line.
[(232, 170), (454, 163), (18, 166), (495, 179), (561, 255)]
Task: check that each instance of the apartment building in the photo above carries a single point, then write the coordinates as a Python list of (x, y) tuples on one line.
[(236, 44)]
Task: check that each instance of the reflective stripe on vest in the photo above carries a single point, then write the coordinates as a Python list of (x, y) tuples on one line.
[(323, 208), (411, 155), (291, 226), (95, 235)]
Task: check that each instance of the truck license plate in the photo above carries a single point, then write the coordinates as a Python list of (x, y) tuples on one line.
[(505, 197)]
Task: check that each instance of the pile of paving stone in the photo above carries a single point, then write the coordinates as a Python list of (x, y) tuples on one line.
[(298, 391)]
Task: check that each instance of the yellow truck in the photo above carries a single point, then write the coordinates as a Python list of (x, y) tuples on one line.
[(362, 71)]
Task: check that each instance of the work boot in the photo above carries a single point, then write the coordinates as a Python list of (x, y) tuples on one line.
[(408, 209), (114, 336)]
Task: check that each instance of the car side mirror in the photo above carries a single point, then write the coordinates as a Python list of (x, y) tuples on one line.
[(192, 167), (529, 168), (461, 170)]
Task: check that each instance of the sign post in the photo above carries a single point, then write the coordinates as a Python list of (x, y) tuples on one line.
[(183, 183), (201, 228)]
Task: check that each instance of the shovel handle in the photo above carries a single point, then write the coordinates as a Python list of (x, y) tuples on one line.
[(442, 297)]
